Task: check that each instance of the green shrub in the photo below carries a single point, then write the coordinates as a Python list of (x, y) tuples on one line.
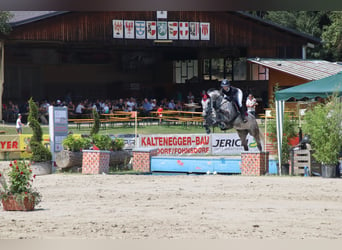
[(75, 144), (117, 144), (39, 152), (96, 125), (103, 142), (324, 126)]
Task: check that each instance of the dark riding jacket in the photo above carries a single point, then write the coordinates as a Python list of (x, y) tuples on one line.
[(231, 93)]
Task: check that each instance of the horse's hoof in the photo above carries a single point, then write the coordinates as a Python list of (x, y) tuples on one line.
[(207, 130)]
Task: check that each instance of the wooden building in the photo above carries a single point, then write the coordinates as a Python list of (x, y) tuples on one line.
[(55, 54)]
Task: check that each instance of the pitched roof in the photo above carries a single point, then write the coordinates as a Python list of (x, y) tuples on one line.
[(23, 17), (306, 69)]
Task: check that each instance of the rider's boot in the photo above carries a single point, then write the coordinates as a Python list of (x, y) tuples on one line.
[(242, 114)]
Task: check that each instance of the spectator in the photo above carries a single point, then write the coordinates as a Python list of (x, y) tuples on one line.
[(80, 108), (146, 107), (171, 105), (19, 125), (251, 103)]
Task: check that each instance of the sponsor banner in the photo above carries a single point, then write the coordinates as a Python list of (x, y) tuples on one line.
[(230, 144), (118, 28), (173, 30), (9, 142), (205, 31), (129, 29), (175, 144), (194, 31), (162, 30), (140, 30), (183, 31), (151, 29)]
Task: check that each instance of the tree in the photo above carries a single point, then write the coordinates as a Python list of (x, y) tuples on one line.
[(5, 27), (332, 37)]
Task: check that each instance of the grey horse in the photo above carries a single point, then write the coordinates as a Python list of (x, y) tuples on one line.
[(217, 111)]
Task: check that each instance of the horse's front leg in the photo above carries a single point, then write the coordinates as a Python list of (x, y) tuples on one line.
[(243, 137)]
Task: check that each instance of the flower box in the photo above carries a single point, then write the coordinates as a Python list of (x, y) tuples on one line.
[(95, 161)]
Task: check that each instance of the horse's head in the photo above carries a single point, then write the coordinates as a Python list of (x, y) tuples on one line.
[(209, 105)]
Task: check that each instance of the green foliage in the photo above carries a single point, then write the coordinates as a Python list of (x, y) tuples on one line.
[(103, 142), (37, 133), (117, 144), (96, 125), (39, 151), (290, 125), (75, 144), (20, 176), (323, 124), (5, 27), (332, 37)]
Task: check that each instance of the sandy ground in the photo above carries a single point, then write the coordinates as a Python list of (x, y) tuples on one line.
[(76, 206)]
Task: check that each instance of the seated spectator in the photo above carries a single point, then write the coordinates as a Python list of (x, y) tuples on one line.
[(171, 105), (146, 107), (80, 108)]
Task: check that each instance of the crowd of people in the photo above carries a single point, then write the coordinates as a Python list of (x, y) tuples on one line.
[(144, 106), (103, 106)]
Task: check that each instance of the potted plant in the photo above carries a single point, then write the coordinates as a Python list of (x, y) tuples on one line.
[(71, 155), (96, 159), (290, 125), (323, 123), (41, 156), (19, 194)]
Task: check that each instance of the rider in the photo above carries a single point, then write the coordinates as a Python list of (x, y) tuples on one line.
[(231, 93)]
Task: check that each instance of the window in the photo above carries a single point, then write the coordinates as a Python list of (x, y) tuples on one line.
[(184, 70), (217, 69), (259, 72)]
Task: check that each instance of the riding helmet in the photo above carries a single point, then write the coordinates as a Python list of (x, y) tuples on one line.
[(225, 82)]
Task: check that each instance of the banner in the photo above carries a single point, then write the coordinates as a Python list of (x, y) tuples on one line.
[(183, 31), (129, 29), (230, 144), (9, 143), (173, 30), (162, 30), (140, 30), (194, 31), (151, 29), (177, 144), (205, 31), (117, 28)]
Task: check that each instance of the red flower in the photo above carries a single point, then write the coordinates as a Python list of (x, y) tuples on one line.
[(0, 174), (25, 192), (21, 172), (30, 170), (11, 164), (15, 161), (34, 176), (17, 167)]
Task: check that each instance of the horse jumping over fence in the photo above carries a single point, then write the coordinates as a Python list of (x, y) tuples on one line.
[(218, 111)]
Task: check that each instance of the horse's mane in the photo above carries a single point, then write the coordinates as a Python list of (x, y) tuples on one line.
[(213, 93)]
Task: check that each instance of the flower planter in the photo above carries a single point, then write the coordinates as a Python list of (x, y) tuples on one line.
[(328, 171), (11, 203), (95, 161), (41, 168)]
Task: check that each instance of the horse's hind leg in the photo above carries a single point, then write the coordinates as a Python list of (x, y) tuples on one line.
[(256, 135), (243, 135)]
